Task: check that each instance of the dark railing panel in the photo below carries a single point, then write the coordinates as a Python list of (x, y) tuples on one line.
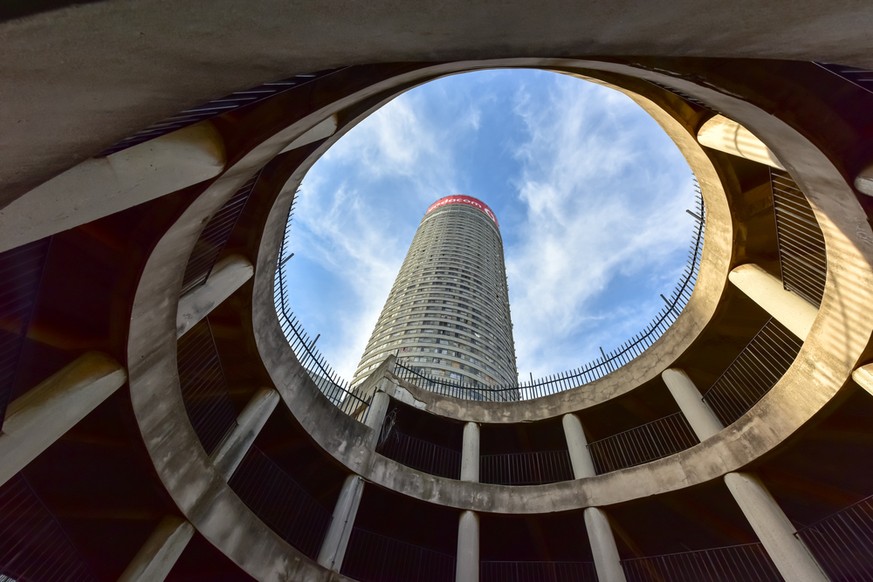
[(747, 562), (757, 368), (420, 454), (491, 571), (371, 557), (214, 108), (862, 78), (286, 507), (802, 254), (21, 273), (204, 386), (842, 543), (33, 544), (529, 468), (214, 237), (662, 437)]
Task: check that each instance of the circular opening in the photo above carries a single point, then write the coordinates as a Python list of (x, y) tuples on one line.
[(590, 194)]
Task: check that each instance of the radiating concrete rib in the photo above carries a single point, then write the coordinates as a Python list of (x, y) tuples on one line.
[(102, 186), (728, 136), (773, 528), (249, 423), (228, 275), (158, 555), (45, 413), (702, 419), (767, 291)]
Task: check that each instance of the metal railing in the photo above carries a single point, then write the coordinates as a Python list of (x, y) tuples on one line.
[(281, 502), (214, 237), (656, 439), (496, 571), (842, 543), (420, 454), (528, 468), (802, 256), (204, 386), (21, 271), (372, 557), (746, 562), (756, 369), (607, 363), (214, 108), (33, 544)]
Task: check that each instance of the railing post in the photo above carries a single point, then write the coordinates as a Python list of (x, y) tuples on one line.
[(767, 291), (603, 548), (701, 418), (157, 556), (251, 420), (333, 548), (467, 564), (773, 528), (470, 453), (577, 445), (46, 412)]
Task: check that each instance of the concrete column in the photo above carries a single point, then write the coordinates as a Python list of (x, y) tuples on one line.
[(227, 276), (102, 186), (863, 376), (470, 453), (789, 309), (773, 528), (378, 409), (577, 444), (864, 180), (701, 418), (249, 423), (606, 560), (467, 563), (42, 415), (157, 556), (728, 136), (333, 548)]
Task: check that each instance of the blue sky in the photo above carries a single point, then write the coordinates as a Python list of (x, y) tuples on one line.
[(589, 191)]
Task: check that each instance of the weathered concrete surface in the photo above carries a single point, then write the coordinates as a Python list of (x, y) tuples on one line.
[(702, 419), (158, 555), (228, 275), (728, 136), (467, 561), (603, 548), (787, 308), (249, 423), (336, 540)]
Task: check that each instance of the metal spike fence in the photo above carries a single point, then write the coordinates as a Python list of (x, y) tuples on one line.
[(33, 544), (752, 374), (596, 369), (746, 562), (495, 571), (528, 468), (214, 108), (372, 557), (802, 256), (654, 440), (842, 543), (281, 502)]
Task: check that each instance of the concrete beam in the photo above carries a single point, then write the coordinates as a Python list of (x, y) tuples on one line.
[(603, 548), (863, 376), (702, 419), (773, 528), (249, 423), (99, 187), (158, 555), (864, 181), (789, 309), (728, 136), (228, 275), (320, 131), (333, 548), (467, 561), (45, 413), (577, 444)]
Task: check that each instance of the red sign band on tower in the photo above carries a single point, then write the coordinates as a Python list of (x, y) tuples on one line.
[(462, 199)]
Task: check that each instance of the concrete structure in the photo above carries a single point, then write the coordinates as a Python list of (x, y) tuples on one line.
[(135, 443), (447, 315)]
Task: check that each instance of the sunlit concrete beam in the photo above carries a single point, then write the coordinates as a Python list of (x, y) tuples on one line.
[(102, 186), (702, 419), (863, 376), (46, 412), (767, 291), (160, 552), (228, 275), (728, 136)]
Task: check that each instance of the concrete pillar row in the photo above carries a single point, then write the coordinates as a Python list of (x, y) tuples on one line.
[(700, 416), (603, 548), (470, 453), (767, 291), (774, 529), (159, 554), (333, 548), (46, 412), (249, 423), (228, 275), (467, 562)]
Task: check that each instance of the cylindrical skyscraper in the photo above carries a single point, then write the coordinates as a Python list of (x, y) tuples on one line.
[(448, 311)]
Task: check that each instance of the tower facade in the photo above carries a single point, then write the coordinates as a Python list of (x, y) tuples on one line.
[(447, 314)]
